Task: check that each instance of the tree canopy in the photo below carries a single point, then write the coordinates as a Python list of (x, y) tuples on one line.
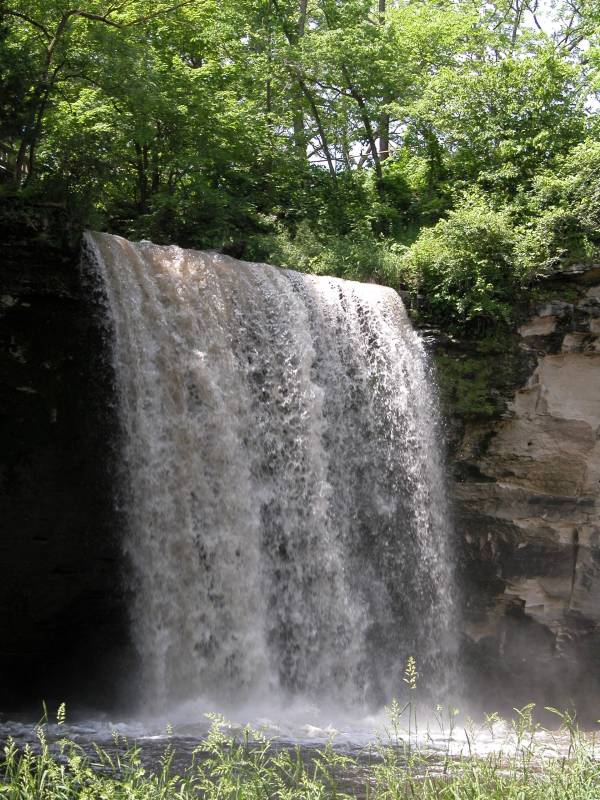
[(449, 146)]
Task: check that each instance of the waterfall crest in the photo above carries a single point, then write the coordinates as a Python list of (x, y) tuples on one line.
[(287, 518)]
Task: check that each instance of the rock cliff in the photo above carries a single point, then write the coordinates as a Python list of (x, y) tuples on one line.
[(62, 611), (527, 496)]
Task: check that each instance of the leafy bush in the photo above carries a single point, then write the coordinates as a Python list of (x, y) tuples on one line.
[(465, 265), (565, 213), (358, 255)]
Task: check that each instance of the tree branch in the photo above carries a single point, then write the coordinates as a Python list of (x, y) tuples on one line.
[(12, 13), (96, 18)]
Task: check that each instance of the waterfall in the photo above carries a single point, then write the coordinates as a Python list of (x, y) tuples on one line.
[(287, 524)]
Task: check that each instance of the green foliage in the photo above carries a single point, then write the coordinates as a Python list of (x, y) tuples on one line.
[(359, 255), (320, 135), (563, 291), (466, 384), (502, 121), (465, 264), (564, 222), (476, 377)]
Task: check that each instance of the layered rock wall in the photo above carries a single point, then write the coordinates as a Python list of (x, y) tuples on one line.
[(527, 511)]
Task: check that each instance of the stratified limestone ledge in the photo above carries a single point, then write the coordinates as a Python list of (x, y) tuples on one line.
[(528, 515)]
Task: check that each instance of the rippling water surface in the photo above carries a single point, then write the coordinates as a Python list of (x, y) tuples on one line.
[(307, 728)]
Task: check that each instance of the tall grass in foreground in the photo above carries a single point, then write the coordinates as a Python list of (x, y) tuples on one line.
[(246, 766)]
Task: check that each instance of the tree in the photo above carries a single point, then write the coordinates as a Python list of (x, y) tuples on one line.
[(499, 123), (325, 134), (55, 33)]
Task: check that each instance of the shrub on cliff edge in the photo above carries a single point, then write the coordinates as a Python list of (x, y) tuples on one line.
[(465, 265)]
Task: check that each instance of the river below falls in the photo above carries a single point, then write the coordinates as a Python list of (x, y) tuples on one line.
[(306, 728)]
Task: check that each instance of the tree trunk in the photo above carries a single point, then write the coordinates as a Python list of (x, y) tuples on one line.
[(320, 129), (142, 171), (367, 126), (298, 116), (384, 120), (38, 107), (155, 161)]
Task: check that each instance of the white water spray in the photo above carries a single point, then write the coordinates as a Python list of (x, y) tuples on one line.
[(287, 519)]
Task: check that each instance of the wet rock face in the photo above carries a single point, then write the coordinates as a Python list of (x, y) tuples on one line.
[(528, 514), (62, 620)]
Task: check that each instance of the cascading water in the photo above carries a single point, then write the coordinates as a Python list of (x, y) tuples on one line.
[(287, 520)]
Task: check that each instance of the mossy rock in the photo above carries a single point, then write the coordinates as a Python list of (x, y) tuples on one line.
[(477, 378)]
